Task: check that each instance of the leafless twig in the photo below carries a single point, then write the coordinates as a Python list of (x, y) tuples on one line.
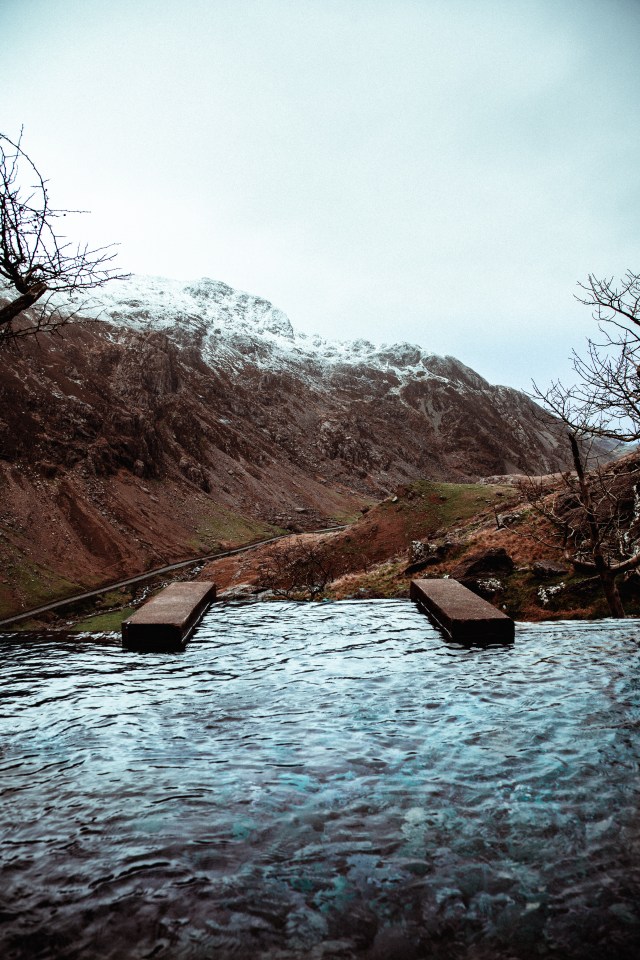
[(35, 258)]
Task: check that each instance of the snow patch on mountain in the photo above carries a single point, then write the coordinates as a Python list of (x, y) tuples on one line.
[(234, 328)]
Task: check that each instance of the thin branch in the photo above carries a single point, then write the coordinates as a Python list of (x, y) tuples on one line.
[(35, 259)]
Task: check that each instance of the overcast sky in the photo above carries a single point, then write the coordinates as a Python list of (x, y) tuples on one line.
[(438, 171)]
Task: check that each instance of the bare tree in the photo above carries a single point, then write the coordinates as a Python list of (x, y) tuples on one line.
[(37, 261), (606, 394), (604, 402), (298, 569)]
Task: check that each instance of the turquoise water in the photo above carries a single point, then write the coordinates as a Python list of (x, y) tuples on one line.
[(324, 781)]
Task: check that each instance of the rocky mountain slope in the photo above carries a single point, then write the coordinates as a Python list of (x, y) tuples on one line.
[(426, 411), (193, 414)]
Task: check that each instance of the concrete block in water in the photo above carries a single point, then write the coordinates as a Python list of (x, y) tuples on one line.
[(167, 620), (460, 614)]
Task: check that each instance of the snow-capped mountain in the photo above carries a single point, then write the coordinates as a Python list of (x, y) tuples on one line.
[(478, 427), (238, 330), (137, 439)]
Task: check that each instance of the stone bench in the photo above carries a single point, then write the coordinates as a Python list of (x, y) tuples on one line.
[(167, 621), (460, 614)]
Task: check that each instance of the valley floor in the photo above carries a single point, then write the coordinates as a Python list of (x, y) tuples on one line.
[(484, 534)]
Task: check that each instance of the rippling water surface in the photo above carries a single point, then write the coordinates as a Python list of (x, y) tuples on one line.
[(323, 781)]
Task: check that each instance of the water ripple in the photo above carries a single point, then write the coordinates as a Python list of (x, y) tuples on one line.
[(327, 780)]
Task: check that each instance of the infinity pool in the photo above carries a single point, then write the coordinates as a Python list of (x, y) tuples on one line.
[(323, 781)]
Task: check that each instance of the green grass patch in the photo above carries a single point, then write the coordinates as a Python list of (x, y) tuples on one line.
[(114, 598), (519, 594), (103, 622), (453, 502), (225, 525), (346, 516), (428, 505), (33, 584)]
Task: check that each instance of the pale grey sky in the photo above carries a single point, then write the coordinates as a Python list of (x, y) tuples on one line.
[(438, 171)]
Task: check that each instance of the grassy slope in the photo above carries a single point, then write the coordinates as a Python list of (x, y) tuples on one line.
[(375, 551), (33, 584), (426, 510), (465, 515), (224, 526), (25, 584)]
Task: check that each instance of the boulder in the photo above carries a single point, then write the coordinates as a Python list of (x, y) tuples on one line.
[(493, 560), (423, 554), (486, 587), (508, 519)]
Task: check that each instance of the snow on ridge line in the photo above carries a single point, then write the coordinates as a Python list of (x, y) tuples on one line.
[(226, 315)]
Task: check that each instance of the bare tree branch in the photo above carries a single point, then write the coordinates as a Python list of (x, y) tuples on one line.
[(35, 258), (300, 569), (602, 527)]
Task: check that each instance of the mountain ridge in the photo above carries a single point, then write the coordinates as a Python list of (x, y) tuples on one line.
[(183, 420), (153, 302)]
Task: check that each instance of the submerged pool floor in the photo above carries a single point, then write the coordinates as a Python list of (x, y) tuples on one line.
[(323, 781)]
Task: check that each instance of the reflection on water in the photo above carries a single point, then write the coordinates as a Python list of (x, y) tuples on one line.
[(324, 781)]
